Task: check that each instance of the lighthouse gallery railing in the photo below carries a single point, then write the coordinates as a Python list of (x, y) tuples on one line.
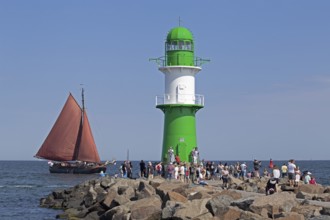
[(180, 99)]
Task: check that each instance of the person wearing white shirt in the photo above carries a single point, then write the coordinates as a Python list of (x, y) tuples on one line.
[(291, 172), (276, 173)]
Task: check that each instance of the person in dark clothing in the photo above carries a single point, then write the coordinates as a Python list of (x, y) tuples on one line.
[(163, 170), (271, 186), (142, 169), (256, 166), (129, 170), (124, 169)]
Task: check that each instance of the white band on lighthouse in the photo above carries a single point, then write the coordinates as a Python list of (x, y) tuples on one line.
[(180, 84)]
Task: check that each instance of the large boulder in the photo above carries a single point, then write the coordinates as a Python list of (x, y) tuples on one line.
[(169, 209), (325, 197), (174, 196), (90, 198), (199, 195), (168, 186), (311, 188), (243, 203), (191, 209), (233, 182), (233, 213), (69, 213), (117, 213), (109, 199), (144, 190), (219, 205), (304, 195), (107, 182), (50, 202), (147, 208), (268, 206), (157, 181), (308, 211), (92, 216), (290, 216), (191, 191)]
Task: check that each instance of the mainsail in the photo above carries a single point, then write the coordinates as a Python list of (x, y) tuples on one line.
[(71, 137)]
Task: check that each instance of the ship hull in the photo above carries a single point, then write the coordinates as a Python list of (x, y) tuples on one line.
[(77, 170)]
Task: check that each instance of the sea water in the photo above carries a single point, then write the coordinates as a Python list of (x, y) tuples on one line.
[(24, 183)]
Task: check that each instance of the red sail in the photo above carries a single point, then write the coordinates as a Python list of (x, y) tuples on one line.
[(87, 149), (61, 141)]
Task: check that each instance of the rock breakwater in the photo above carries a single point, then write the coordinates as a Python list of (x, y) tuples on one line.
[(109, 198)]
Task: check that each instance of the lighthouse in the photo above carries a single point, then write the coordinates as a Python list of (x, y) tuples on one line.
[(179, 102)]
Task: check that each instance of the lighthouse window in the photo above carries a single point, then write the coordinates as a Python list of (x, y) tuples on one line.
[(168, 46), (174, 45), (188, 45), (181, 45)]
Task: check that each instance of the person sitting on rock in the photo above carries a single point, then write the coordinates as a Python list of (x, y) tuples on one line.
[(271, 186), (307, 177), (312, 181)]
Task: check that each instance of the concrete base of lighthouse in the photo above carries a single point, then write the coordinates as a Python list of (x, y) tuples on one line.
[(179, 130)]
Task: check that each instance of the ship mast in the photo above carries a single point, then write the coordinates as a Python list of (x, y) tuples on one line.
[(82, 99)]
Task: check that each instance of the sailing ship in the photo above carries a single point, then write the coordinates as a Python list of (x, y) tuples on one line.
[(70, 146)]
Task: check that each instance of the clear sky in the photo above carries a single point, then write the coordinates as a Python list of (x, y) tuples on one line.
[(267, 87)]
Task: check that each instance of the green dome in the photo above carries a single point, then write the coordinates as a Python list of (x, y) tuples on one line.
[(179, 33)]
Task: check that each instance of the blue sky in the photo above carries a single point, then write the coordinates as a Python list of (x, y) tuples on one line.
[(267, 87)]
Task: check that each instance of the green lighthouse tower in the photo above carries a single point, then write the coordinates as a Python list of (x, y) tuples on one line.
[(179, 102)]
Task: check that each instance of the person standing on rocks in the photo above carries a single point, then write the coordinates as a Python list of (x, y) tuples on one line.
[(163, 170), (170, 170), (177, 159), (256, 166), (219, 170), (129, 169), (159, 168), (291, 171), (224, 176), (171, 156), (176, 171), (284, 170), (181, 173), (192, 172), (276, 173), (237, 170), (186, 173), (195, 155), (243, 170), (150, 170), (297, 176), (142, 169)]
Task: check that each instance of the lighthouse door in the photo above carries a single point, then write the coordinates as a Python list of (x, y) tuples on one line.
[(181, 97)]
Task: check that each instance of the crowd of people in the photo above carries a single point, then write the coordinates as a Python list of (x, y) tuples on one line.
[(198, 171)]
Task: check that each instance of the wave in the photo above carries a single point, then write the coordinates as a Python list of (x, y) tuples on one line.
[(58, 186), (20, 186), (35, 186)]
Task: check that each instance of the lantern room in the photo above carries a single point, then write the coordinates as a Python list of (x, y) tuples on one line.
[(179, 47)]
